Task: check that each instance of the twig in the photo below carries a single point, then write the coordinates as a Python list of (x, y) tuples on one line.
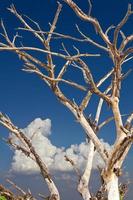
[(86, 99), (109, 28), (16, 187), (54, 23), (90, 19), (73, 165), (13, 10), (125, 42), (107, 121), (89, 79), (49, 80), (47, 42), (130, 58), (90, 7), (91, 41)]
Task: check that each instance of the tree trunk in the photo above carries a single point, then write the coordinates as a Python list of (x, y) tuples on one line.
[(112, 187)]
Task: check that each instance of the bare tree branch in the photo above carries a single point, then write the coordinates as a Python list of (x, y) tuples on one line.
[(109, 29), (73, 165), (85, 178), (125, 42), (128, 124), (123, 21), (13, 10), (47, 41), (16, 186), (127, 52), (72, 58), (54, 77), (90, 19), (86, 99), (43, 168), (63, 69), (89, 79), (109, 119), (90, 7), (86, 38), (130, 58), (54, 23)]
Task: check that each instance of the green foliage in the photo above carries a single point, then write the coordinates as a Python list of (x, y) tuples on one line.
[(2, 197)]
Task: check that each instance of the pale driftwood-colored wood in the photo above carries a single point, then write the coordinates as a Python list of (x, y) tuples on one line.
[(119, 53)]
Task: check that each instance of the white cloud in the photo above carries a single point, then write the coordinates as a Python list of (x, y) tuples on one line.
[(39, 130)]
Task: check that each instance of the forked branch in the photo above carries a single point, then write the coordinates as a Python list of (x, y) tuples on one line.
[(90, 19)]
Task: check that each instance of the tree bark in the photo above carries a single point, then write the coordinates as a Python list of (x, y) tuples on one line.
[(112, 187)]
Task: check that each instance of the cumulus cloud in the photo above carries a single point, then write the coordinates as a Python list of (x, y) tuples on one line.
[(39, 131)]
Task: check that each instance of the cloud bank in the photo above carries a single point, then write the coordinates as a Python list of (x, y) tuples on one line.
[(39, 131)]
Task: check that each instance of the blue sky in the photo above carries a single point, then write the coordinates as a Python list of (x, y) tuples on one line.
[(24, 97)]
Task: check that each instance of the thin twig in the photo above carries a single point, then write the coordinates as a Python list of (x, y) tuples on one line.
[(91, 41), (90, 7), (16, 186), (73, 165), (90, 19), (13, 10)]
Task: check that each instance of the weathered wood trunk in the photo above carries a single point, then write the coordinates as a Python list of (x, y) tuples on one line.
[(112, 187)]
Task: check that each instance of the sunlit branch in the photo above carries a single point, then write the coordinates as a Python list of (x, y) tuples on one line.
[(125, 42), (127, 52), (128, 59), (90, 19), (123, 21), (89, 79), (31, 68), (48, 40), (63, 69), (109, 29), (128, 124), (86, 38), (22, 55), (107, 121), (86, 99), (83, 186), (72, 58), (13, 10), (63, 36), (53, 26)]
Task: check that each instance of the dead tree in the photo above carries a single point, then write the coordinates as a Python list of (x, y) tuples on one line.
[(46, 71)]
